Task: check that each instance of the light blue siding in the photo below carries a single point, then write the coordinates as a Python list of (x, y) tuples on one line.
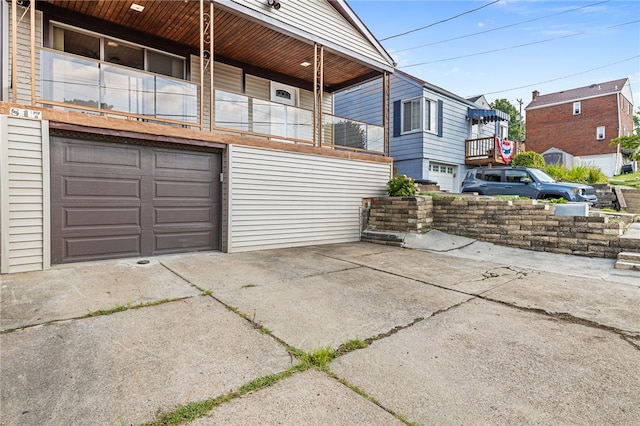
[(413, 152)]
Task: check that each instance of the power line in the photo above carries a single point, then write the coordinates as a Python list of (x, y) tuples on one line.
[(566, 76), (440, 22), (490, 51), (503, 27)]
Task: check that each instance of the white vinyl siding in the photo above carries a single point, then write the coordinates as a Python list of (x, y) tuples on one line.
[(24, 216), (24, 55), (285, 199)]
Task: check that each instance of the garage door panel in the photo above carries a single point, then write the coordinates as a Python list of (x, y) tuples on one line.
[(174, 161), (104, 187), (179, 242), (172, 215), (96, 248), (181, 189), (104, 217), (101, 155)]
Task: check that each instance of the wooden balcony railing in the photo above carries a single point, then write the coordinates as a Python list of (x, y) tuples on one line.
[(488, 151)]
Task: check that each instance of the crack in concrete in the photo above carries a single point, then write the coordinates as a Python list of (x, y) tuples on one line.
[(626, 335)]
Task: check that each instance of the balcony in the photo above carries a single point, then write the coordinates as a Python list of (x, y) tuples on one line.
[(487, 151), (96, 87)]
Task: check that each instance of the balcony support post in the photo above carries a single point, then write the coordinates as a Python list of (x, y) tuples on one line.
[(212, 100), (32, 28), (318, 84), (14, 51), (386, 105), (202, 31)]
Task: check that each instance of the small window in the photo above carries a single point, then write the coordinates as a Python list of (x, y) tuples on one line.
[(515, 176), (411, 116), (577, 108), (430, 115), (492, 175), (600, 133)]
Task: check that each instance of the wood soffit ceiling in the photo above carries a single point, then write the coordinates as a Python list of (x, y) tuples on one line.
[(237, 39)]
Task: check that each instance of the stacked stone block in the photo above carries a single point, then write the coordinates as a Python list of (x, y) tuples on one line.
[(401, 214), (525, 224)]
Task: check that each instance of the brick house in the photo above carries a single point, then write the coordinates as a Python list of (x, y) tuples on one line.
[(581, 122)]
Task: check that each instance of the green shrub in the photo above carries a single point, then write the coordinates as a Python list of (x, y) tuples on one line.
[(578, 174), (529, 159), (557, 171), (402, 186)]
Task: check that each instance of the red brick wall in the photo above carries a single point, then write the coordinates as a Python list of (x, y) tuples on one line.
[(556, 126)]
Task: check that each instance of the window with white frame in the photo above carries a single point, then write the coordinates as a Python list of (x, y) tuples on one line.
[(430, 115), (600, 133), (577, 108), (419, 114)]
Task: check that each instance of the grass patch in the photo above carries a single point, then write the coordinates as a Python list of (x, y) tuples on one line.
[(352, 345), (251, 285), (207, 292), (319, 358), (188, 412), (122, 308), (631, 180)]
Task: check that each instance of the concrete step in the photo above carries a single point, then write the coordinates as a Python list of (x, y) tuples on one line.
[(629, 256), (628, 260), (631, 199), (632, 266)]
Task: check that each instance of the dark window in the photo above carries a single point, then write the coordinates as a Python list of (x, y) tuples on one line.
[(491, 175)]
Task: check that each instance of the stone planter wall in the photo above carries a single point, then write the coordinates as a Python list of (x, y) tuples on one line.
[(401, 214), (525, 224)]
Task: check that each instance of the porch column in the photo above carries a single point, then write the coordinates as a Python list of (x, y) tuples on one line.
[(212, 100), (318, 84), (32, 28), (14, 51), (386, 105)]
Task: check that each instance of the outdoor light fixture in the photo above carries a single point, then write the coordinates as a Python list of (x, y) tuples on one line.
[(137, 7), (305, 64), (274, 4)]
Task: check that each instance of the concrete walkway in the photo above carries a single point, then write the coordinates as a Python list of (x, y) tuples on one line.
[(452, 332)]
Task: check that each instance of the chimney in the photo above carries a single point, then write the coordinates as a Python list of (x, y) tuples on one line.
[(534, 94)]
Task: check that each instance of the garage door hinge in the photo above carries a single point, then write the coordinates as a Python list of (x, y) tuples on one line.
[(221, 177)]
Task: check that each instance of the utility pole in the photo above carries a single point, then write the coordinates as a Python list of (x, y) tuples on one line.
[(519, 120)]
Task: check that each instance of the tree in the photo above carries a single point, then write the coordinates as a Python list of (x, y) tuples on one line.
[(632, 142), (516, 127)]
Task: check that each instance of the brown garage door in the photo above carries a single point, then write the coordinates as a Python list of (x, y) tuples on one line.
[(112, 200)]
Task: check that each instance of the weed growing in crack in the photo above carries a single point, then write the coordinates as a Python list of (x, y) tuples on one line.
[(250, 285), (207, 292), (319, 358), (188, 412), (351, 346), (122, 308)]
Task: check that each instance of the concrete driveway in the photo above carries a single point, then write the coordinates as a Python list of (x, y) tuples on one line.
[(439, 335)]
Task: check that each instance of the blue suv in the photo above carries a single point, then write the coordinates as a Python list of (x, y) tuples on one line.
[(525, 182)]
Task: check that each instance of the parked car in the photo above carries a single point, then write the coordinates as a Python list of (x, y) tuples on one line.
[(525, 182)]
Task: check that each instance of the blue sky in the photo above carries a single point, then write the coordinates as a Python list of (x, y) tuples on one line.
[(509, 48)]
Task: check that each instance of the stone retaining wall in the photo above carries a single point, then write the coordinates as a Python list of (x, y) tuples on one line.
[(528, 224)]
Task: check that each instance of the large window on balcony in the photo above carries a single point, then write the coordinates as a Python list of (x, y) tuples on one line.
[(96, 46), (102, 73)]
